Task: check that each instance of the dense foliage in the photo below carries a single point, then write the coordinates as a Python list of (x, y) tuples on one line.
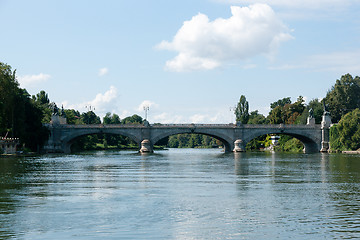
[(192, 141), (346, 134), (20, 115), (343, 97), (242, 110)]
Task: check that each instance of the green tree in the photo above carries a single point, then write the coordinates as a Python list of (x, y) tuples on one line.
[(283, 111), (257, 118), (73, 116), (276, 115), (111, 119), (134, 119), (242, 110), (42, 101), (346, 134), (19, 115), (90, 118), (343, 97), (8, 93), (280, 102)]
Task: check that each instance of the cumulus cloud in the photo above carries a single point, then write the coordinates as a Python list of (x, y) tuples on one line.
[(28, 80), (102, 100), (203, 44), (103, 71), (307, 4), (102, 103)]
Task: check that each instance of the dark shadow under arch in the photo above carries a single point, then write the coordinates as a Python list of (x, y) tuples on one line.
[(310, 146), (70, 140), (227, 146)]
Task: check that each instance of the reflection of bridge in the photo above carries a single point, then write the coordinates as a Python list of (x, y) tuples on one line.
[(234, 137)]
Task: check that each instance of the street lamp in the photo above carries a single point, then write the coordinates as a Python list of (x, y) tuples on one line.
[(146, 109), (93, 108)]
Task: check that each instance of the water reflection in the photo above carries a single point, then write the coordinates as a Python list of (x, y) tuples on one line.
[(185, 194)]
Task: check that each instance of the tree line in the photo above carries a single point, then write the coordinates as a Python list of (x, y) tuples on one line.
[(342, 101), (22, 116)]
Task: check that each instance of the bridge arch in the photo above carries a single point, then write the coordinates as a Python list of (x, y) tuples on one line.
[(163, 133), (311, 143), (69, 139)]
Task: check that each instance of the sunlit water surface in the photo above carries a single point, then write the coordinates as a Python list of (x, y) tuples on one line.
[(180, 194)]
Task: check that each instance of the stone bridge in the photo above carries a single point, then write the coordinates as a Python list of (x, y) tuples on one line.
[(315, 137)]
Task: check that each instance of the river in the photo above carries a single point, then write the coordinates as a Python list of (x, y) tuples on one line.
[(180, 194)]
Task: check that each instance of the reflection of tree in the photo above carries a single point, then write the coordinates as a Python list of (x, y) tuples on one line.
[(344, 177), (14, 183)]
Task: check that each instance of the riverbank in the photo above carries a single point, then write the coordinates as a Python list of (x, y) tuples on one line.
[(351, 152)]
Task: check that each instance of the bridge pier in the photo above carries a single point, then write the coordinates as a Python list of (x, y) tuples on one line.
[(239, 146), (146, 146)]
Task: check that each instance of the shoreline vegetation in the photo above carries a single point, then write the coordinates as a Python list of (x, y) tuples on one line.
[(22, 116)]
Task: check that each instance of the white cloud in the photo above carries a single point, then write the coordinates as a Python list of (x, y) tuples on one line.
[(101, 104), (103, 71), (28, 80), (343, 62), (198, 118), (102, 100), (203, 44), (307, 4), (167, 118), (347, 61)]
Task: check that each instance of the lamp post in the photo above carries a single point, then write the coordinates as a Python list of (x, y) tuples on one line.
[(146, 109), (89, 110), (93, 108)]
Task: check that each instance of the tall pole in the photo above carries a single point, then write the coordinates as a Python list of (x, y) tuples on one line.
[(146, 109)]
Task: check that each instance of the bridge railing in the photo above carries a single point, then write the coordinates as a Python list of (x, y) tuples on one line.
[(230, 125)]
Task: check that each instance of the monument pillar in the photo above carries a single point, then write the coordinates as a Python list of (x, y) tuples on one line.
[(325, 132)]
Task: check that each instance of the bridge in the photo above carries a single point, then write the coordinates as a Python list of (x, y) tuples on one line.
[(234, 137)]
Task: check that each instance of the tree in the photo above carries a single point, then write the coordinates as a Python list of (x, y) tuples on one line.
[(41, 98), (256, 118), (346, 134), (280, 102), (42, 101), (8, 92), (343, 97), (73, 116), (283, 111), (20, 116), (134, 119), (111, 119), (242, 110), (276, 115), (90, 118)]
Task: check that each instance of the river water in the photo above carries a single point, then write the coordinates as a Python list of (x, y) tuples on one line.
[(180, 194)]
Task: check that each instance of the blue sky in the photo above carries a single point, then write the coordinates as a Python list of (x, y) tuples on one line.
[(189, 61)]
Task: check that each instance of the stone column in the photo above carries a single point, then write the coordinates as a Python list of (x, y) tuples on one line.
[(146, 146), (325, 132), (239, 146)]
